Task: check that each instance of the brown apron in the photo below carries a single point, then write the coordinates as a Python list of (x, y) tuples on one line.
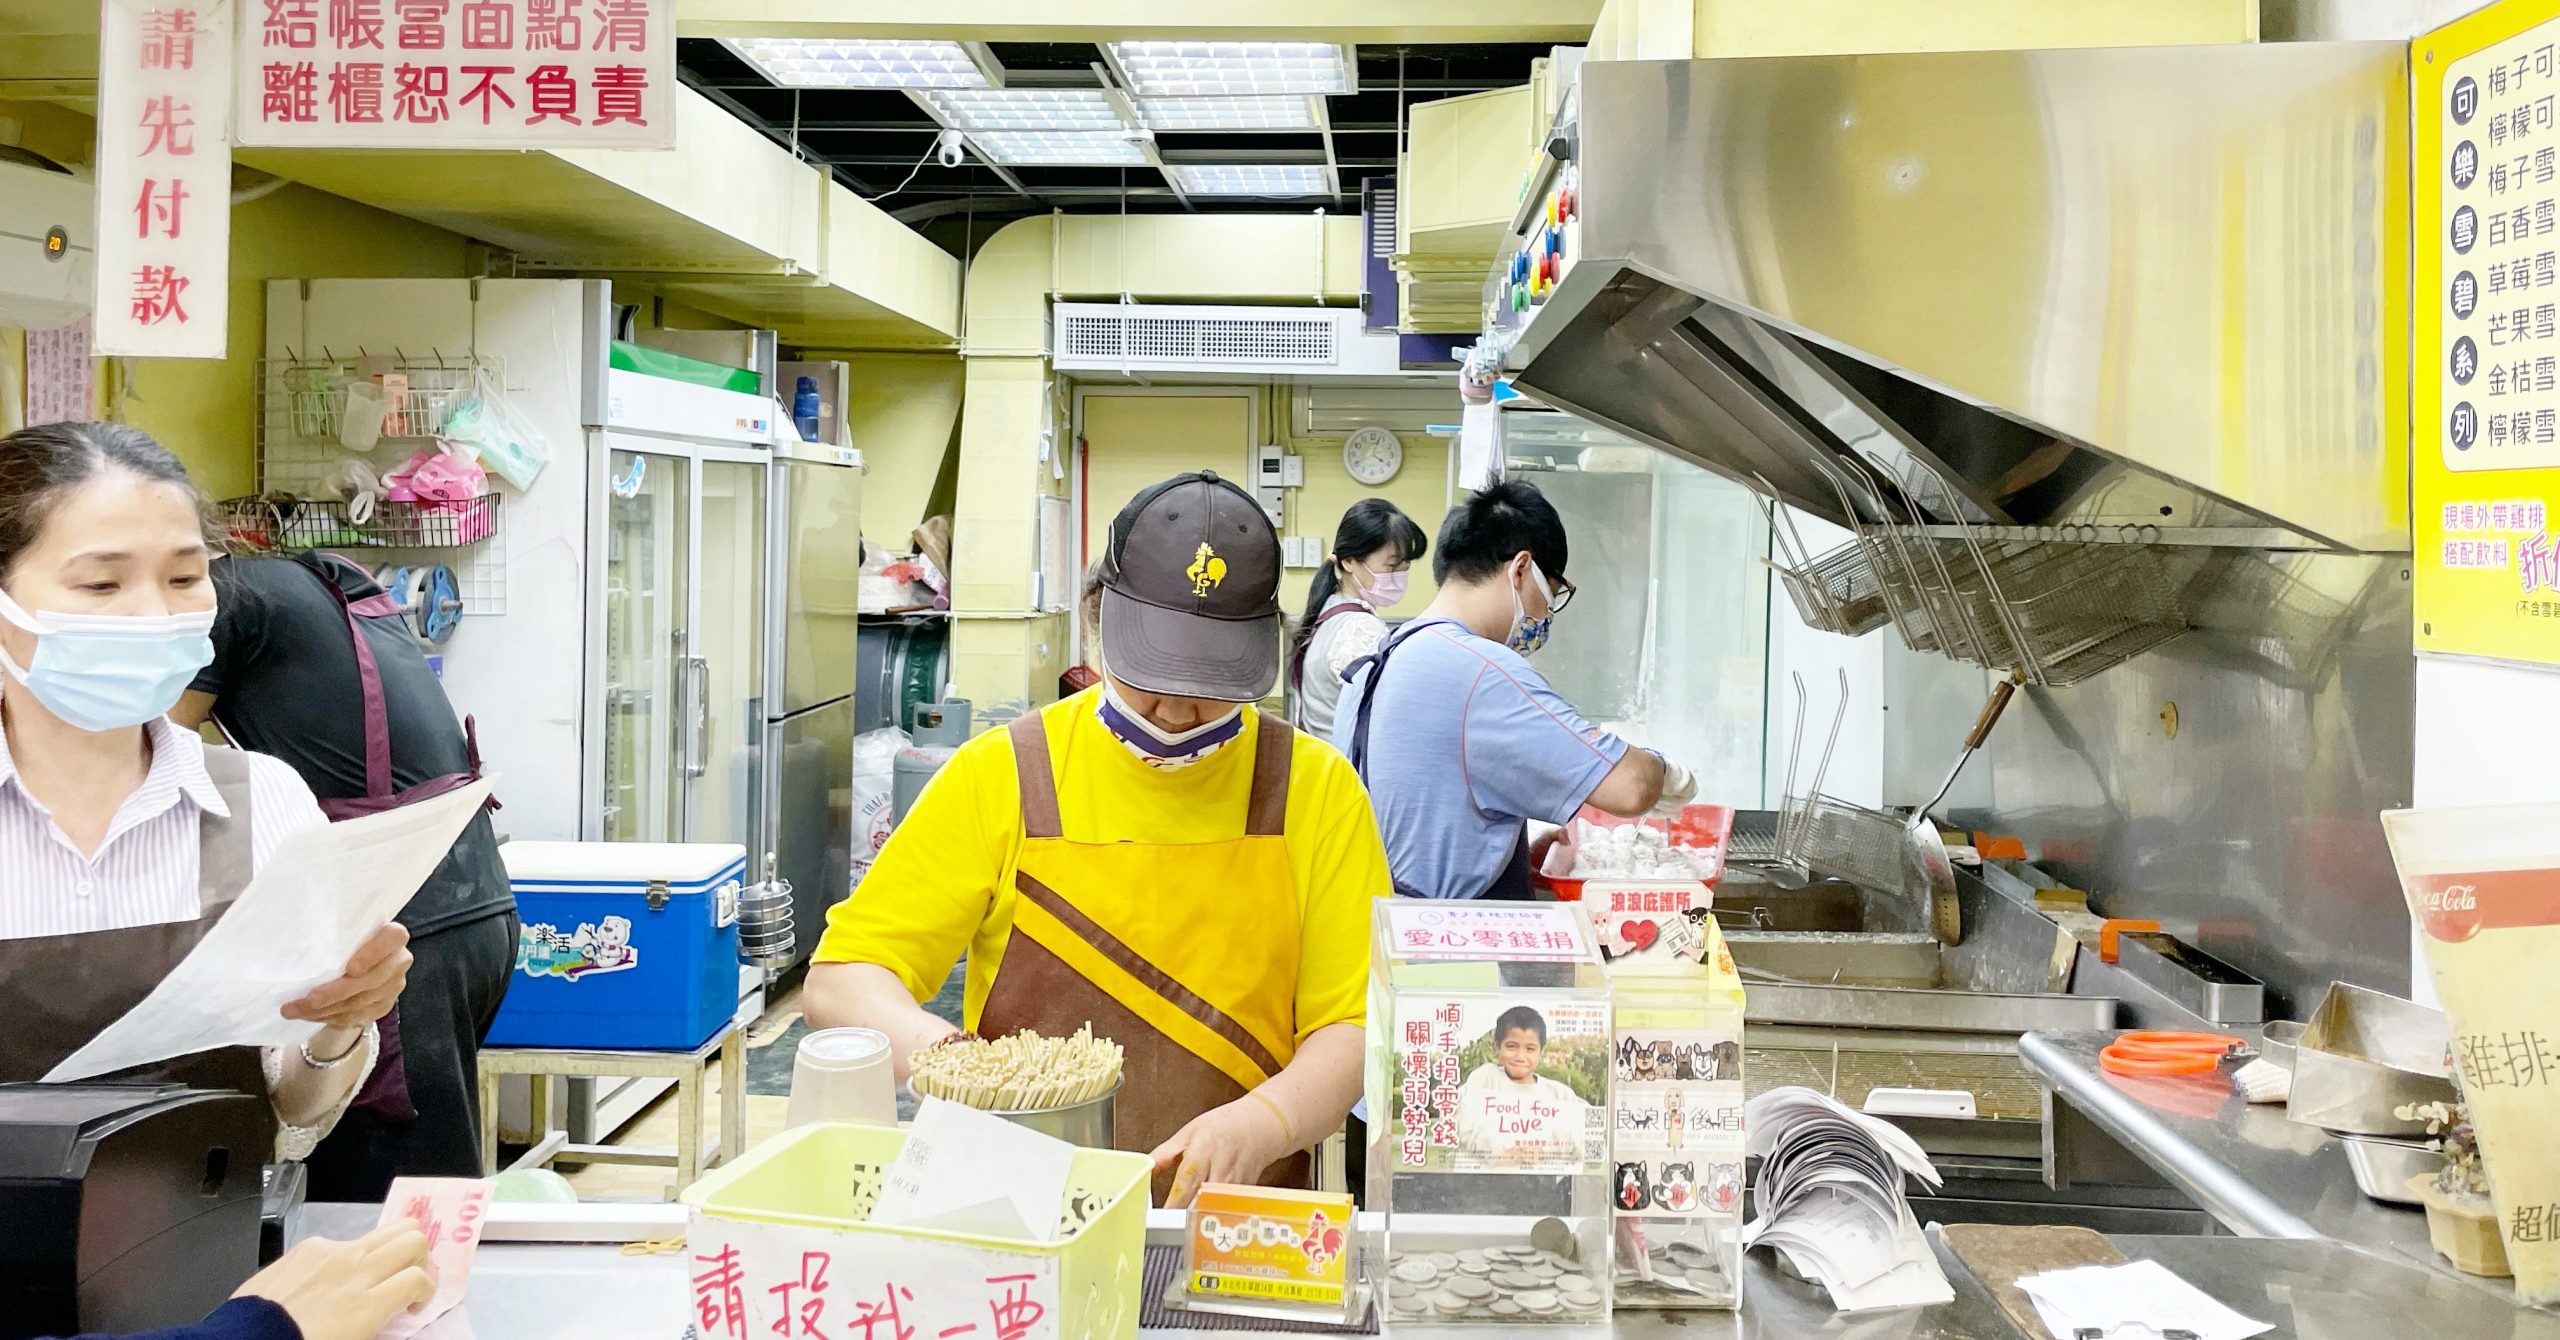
[(386, 1090), (59, 991), (1184, 954)]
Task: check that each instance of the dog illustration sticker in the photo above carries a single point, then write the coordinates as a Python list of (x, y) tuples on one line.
[(592, 950)]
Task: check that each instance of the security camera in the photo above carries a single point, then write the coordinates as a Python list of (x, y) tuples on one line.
[(946, 148)]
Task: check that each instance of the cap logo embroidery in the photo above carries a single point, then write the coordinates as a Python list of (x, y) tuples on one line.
[(1207, 570)]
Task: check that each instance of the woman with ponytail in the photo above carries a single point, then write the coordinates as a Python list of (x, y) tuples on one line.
[(1372, 548)]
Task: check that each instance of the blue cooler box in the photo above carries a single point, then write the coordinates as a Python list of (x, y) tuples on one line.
[(626, 945)]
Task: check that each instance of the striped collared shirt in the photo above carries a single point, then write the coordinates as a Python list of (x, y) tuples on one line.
[(145, 872)]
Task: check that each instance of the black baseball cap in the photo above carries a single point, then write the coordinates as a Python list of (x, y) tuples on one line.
[(1191, 592)]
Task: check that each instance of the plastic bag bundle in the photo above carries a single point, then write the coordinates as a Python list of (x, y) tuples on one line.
[(494, 431), (875, 755)]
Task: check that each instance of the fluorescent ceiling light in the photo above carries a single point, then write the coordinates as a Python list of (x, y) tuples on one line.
[(810, 62), (1263, 112), (1249, 178), (1205, 69), (1059, 148), (1025, 108)]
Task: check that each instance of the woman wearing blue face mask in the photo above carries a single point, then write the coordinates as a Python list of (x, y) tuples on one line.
[(1460, 740), (1373, 548), (123, 839)]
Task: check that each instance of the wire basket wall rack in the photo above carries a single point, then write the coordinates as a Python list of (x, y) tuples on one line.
[(283, 524), (2057, 611), (302, 401)]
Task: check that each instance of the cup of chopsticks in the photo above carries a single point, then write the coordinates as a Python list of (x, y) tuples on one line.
[(1060, 1087)]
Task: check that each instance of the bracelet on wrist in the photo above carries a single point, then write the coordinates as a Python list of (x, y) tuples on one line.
[(333, 1062)]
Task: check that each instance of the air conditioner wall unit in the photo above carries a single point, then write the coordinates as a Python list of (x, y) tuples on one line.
[(1237, 341), (45, 283)]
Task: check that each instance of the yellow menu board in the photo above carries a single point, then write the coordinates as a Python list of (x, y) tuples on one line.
[(2485, 460)]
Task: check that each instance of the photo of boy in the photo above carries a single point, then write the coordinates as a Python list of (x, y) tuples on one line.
[(1506, 1109)]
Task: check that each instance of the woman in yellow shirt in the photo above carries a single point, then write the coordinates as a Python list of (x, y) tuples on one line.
[(1151, 856)]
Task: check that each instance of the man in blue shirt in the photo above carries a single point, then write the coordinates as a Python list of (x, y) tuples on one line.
[(1460, 742)]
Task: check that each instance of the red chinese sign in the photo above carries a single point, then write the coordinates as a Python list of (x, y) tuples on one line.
[(458, 74), (751, 1281), (1428, 1115), (164, 178)]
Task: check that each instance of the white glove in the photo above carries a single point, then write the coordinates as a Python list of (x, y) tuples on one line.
[(1679, 787)]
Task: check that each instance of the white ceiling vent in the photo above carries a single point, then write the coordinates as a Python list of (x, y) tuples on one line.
[(1282, 341)]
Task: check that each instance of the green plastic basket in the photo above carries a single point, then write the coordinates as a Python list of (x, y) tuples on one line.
[(780, 1241)]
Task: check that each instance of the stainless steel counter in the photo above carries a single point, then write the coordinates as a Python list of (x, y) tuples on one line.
[(2329, 1291), (524, 1291), (2257, 1173), (2308, 1290)]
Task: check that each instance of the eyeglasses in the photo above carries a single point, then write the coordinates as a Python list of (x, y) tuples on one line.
[(1559, 593)]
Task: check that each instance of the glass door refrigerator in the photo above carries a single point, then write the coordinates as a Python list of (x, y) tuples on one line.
[(816, 562), (682, 641)]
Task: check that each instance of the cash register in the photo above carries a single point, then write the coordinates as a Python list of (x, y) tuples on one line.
[(125, 1207)]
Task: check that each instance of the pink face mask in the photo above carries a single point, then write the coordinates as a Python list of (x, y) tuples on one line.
[(1384, 589)]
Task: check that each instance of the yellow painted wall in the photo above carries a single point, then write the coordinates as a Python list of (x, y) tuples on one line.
[(900, 409), (1135, 440), (1673, 29), (1840, 27), (205, 410), (1010, 661), (993, 541), (1421, 489)]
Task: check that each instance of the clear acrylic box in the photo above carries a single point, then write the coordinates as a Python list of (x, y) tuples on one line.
[(1490, 1050), (1676, 1137)]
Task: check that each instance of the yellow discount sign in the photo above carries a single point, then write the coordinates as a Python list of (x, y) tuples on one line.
[(2486, 394)]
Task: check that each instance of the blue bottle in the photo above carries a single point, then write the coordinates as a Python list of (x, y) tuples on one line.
[(804, 409)]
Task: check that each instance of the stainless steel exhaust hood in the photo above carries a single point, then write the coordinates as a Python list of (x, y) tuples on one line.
[(2147, 287)]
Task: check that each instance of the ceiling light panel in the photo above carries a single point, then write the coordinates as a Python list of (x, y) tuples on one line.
[(1025, 108), (1059, 148), (1208, 69), (1262, 112), (808, 62), (1274, 179)]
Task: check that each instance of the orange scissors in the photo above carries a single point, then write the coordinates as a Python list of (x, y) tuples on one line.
[(2151, 1051)]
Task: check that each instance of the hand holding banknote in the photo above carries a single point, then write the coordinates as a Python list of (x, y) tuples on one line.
[(447, 1210), (347, 1290)]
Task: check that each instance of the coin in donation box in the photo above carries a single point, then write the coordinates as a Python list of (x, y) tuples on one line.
[(1553, 1237)]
